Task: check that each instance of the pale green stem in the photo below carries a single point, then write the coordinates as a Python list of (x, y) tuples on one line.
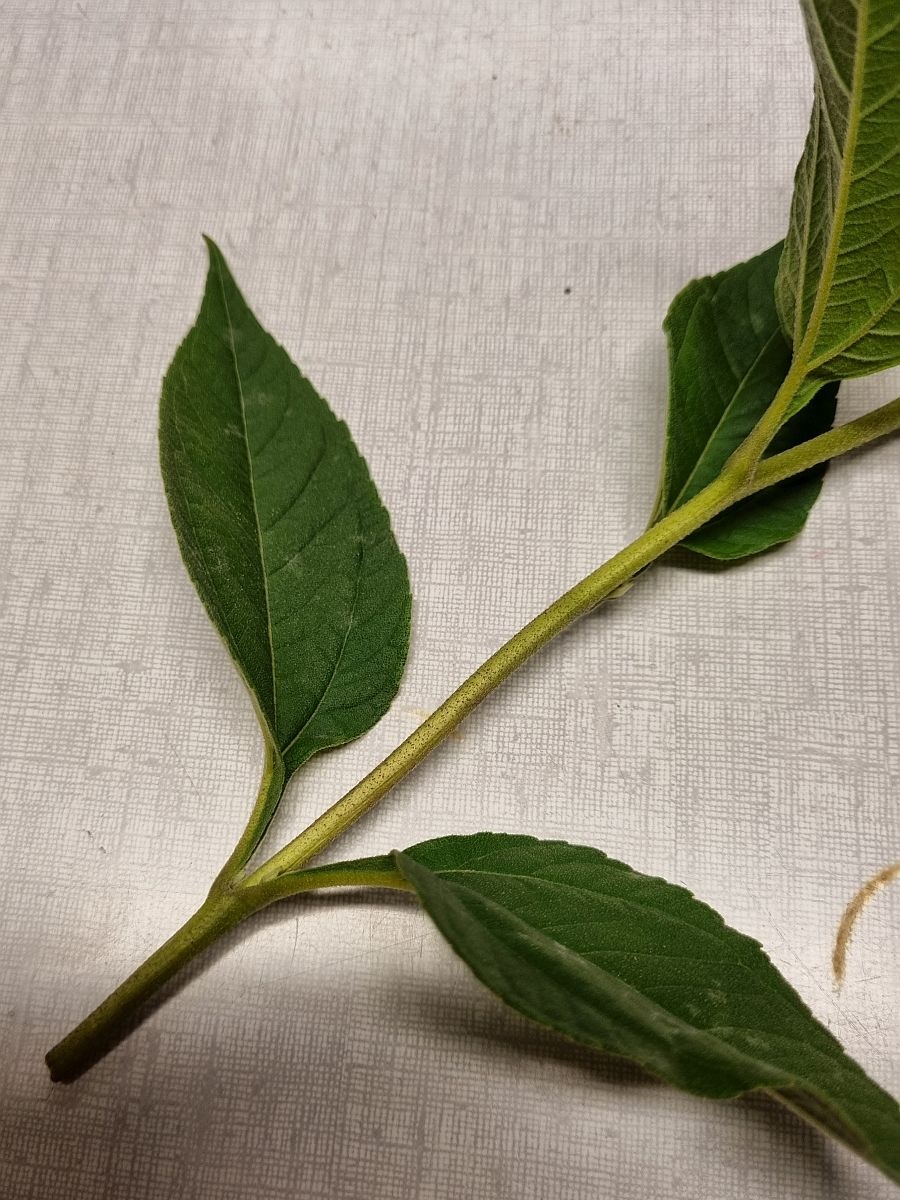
[(378, 871), (229, 903), (100, 1031), (568, 608), (586, 595), (223, 909), (851, 436), (746, 458), (232, 898)]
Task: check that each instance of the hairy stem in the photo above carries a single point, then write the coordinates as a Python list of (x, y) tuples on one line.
[(377, 871), (850, 917), (233, 896), (573, 604), (600, 584), (102, 1029), (854, 435), (746, 459)]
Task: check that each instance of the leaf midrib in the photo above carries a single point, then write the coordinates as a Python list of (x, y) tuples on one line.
[(845, 181), (659, 914), (284, 750), (259, 536), (532, 933)]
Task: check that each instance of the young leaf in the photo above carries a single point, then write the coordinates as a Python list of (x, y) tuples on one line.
[(839, 283), (640, 968), (281, 529), (727, 359)]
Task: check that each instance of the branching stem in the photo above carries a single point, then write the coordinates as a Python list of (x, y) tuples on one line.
[(235, 895), (584, 596)]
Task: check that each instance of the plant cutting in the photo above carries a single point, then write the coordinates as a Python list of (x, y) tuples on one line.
[(291, 550)]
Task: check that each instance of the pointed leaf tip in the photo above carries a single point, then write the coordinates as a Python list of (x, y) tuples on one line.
[(281, 529), (639, 967)]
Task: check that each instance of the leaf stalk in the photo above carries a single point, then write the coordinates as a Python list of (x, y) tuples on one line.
[(271, 789)]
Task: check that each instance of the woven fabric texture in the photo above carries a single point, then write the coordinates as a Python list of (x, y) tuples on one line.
[(465, 220)]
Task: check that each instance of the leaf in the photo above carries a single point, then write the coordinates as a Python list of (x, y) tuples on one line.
[(638, 967), (281, 529), (839, 283), (727, 359)]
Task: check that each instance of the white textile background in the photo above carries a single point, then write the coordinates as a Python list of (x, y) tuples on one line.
[(465, 220)]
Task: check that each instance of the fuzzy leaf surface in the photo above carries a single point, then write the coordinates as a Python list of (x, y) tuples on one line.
[(727, 359), (281, 529), (640, 968), (839, 283)]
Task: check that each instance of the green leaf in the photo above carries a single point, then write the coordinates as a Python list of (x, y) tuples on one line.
[(839, 283), (282, 530), (727, 359), (638, 967)]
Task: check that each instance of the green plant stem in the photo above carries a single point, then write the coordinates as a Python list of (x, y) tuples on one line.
[(233, 898), (600, 584), (746, 459), (102, 1029), (854, 435), (96, 1035), (377, 871), (228, 904), (573, 604)]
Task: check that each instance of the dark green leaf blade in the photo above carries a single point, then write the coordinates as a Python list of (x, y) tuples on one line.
[(727, 359), (775, 515), (281, 529), (638, 967), (839, 283)]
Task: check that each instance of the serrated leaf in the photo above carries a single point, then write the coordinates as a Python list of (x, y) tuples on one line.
[(727, 359), (839, 283), (281, 529), (638, 967)]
